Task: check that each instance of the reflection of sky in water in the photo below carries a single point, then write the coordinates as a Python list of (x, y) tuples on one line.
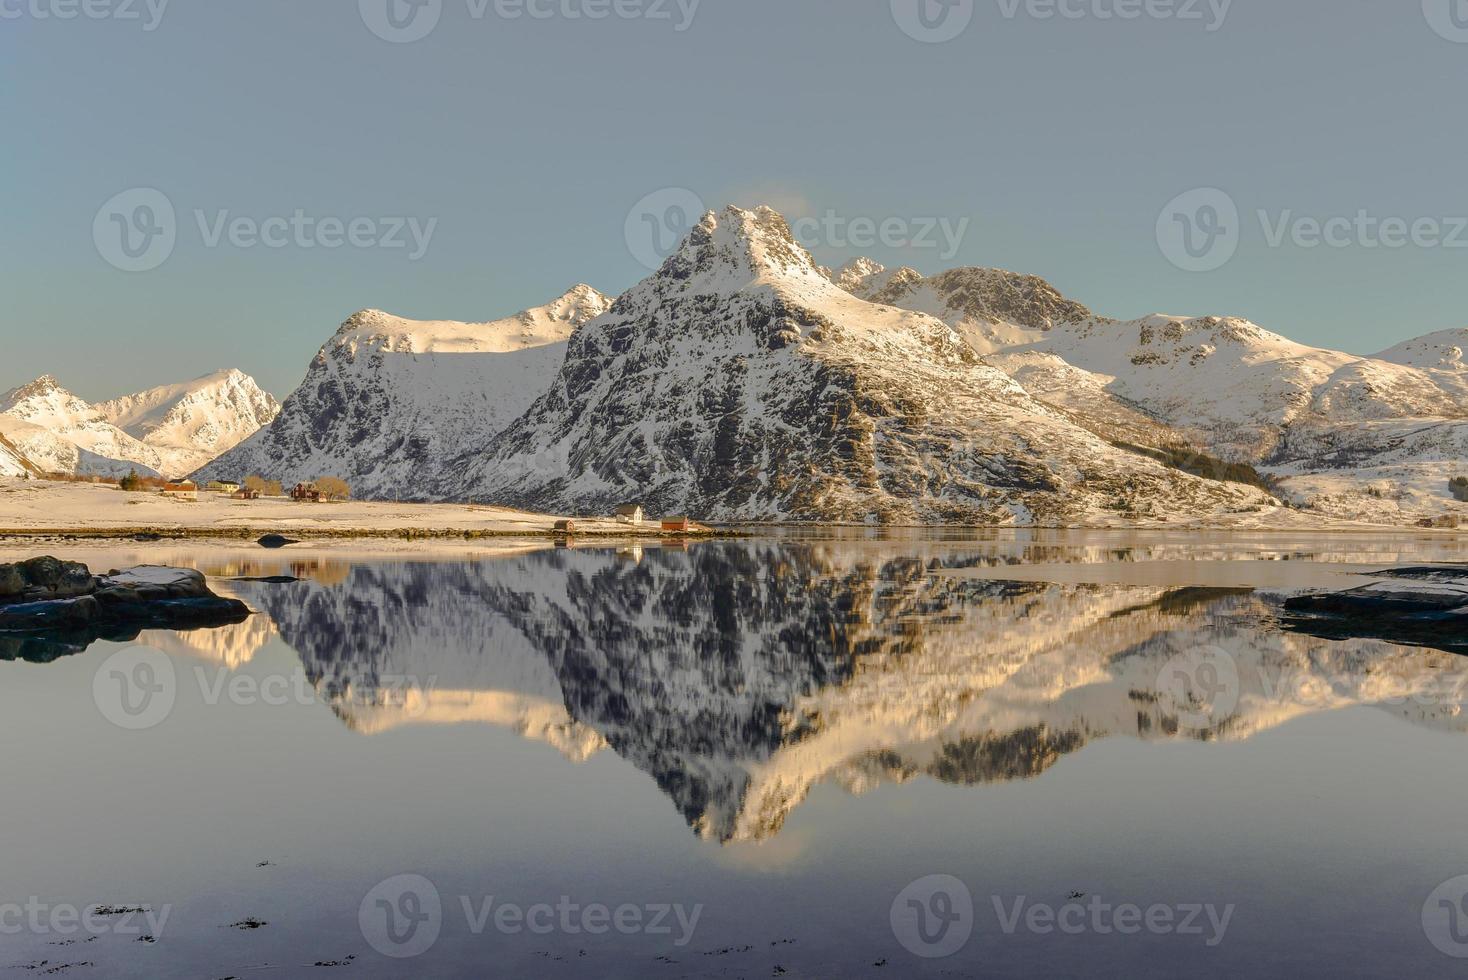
[(848, 718)]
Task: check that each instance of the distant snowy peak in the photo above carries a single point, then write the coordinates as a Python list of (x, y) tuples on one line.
[(968, 294), (46, 403), (856, 276), (549, 324), (203, 414), (172, 429), (1443, 350)]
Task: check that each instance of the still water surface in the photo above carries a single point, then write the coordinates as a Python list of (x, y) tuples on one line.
[(1020, 754)]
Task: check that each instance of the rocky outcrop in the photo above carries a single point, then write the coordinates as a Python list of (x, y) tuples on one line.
[(50, 608), (1426, 605)]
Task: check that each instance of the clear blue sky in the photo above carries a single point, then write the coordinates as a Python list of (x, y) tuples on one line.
[(531, 139)]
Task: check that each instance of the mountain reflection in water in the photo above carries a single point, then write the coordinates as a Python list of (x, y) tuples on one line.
[(739, 676)]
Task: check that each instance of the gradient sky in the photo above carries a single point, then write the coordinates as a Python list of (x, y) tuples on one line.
[(530, 141)]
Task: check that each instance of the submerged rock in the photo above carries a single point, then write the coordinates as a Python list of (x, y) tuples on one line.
[(276, 541)]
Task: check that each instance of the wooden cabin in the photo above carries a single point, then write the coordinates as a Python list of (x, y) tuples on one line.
[(678, 524), (630, 514)]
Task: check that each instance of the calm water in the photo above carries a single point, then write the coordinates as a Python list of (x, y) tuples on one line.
[(1021, 754)]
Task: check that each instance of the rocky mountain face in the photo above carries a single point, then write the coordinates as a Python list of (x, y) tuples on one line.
[(165, 431), (191, 423), (740, 676), (388, 403), (740, 383)]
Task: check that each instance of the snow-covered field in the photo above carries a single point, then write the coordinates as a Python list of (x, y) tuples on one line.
[(36, 505), (30, 506)]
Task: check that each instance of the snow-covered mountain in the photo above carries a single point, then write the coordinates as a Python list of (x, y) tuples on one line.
[(63, 433), (387, 403), (191, 423), (739, 382), (1373, 437), (165, 431)]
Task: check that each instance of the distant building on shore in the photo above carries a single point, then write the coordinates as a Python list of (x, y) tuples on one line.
[(221, 486), (683, 524), (630, 514), (181, 490)]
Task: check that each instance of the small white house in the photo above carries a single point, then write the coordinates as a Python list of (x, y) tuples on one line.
[(630, 514)]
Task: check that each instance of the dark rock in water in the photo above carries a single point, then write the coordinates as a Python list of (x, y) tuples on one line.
[(76, 608), (1418, 606), (269, 579), (276, 541), (44, 578)]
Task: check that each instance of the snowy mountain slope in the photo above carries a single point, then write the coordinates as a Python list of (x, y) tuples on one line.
[(1441, 356), (70, 424), (13, 462), (739, 382), (51, 453), (191, 423), (387, 402)]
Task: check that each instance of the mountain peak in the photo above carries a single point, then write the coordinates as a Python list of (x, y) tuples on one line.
[(727, 250)]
